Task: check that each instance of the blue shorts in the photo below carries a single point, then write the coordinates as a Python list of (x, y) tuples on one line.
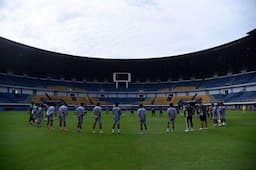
[(116, 121), (143, 121), (34, 116), (50, 117), (222, 115), (40, 117), (80, 119), (172, 121), (97, 119), (62, 118)]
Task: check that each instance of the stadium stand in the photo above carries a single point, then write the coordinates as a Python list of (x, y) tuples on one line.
[(172, 86), (113, 100), (66, 99), (236, 97), (184, 88), (214, 82), (65, 88), (230, 78), (161, 101), (148, 101), (94, 100), (14, 98)]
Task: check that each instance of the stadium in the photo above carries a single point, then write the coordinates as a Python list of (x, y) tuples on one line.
[(229, 77), (127, 84)]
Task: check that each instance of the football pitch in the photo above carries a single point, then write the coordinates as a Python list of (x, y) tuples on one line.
[(26, 147)]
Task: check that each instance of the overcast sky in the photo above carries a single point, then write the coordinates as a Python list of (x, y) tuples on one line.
[(126, 28)]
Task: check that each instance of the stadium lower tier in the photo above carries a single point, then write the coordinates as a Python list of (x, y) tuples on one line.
[(73, 100)]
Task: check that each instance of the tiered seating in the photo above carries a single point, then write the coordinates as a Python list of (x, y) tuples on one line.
[(184, 88), (148, 101), (113, 100), (204, 98), (232, 80), (236, 97), (84, 100), (164, 90), (177, 99), (247, 96), (110, 86), (94, 100), (161, 101), (66, 99), (64, 88), (156, 87), (78, 89), (38, 98), (13, 98)]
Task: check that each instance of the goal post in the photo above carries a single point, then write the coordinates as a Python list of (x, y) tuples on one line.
[(121, 77)]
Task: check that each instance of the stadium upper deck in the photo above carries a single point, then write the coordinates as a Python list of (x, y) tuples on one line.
[(228, 80), (232, 57), (43, 75)]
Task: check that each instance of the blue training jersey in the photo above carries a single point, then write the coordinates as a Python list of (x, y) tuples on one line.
[(50, 110), (34, 110), (221, 109), (80, 111), (63, 110), (171, 111), (116, 113), (142, 113), (97, 111)]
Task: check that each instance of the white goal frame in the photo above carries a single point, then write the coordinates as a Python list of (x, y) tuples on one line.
[(127, 81)]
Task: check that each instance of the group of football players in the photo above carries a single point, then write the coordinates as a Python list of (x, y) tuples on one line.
[(216, 112)]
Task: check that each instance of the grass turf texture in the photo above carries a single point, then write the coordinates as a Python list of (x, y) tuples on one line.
[(26, 147)]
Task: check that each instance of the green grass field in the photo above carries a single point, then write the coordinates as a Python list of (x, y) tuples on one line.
[(25, 147)]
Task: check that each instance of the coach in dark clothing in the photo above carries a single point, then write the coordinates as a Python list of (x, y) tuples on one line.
[(188, 114)]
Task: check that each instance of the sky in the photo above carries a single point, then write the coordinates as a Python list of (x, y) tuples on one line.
[(126, 29)]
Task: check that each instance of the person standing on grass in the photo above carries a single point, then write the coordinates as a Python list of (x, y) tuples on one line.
[(189, 111), (49, 113), (97, 117), (172, 112), (203, 119), (222, 111), (117, 114), (62, 111), (160, 112), (80, 112), (209, 111), (30, 113), (215, 115), (39, 115), (34, 114), (142, 118), (153, 111)]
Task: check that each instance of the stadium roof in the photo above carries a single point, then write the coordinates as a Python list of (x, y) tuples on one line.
[(231, 57)]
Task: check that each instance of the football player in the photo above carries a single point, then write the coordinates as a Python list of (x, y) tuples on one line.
[(97, 117), (62, 111), (80, 112), (49, 113), (116, 122), (172, 112), (142, 118)]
